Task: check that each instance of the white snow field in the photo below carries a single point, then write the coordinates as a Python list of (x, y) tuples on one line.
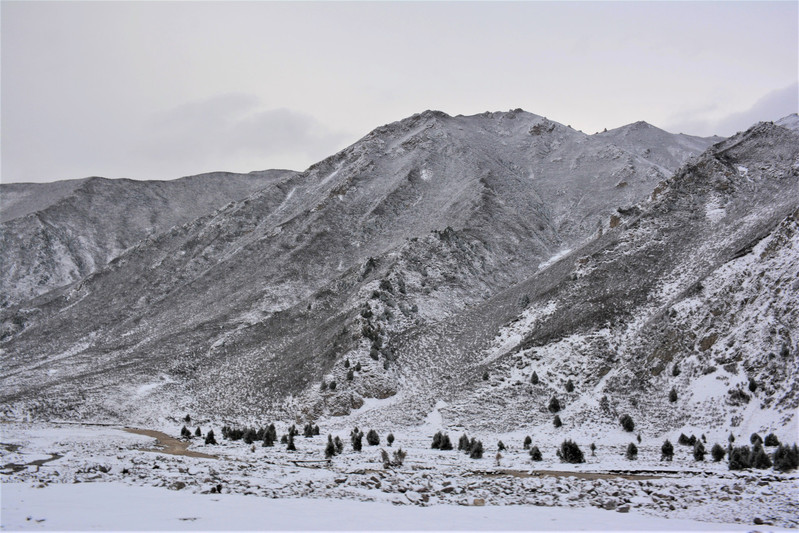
[(80, 477), (116, 506)]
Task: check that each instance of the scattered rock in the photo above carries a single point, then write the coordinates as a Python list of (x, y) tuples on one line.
[(623, 509), (479, 502), (177, 485)]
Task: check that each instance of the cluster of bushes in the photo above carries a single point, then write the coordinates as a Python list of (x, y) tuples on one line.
[(472, 447), (186, 432), (310, 430), (399, 458), (334, 446), (372, 438), (570, 452), (268, 435), (441, 441)]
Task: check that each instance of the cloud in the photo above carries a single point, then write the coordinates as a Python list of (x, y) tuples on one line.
[(772, 106), (231, 131)]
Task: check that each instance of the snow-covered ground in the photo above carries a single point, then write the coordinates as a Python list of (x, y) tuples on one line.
[(95, 477)]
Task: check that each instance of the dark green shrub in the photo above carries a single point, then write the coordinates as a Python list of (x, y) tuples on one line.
[(754, 439), (557, 421), (527, 442), (771, 440), (752, 385), (673, 395), (187, 419), (593, 448), (209, 437), (446, 444), (786, 458), (534, 379), (290, 445), (500, 446), (476, 450), (436, 441), (330, 449), (197, 432), (632, 452), (339, 445), (675, 370), (760, 458), (627, 423), (357, 367), (535, 454), (372, 438), (739, 458), (485, 375), (332, 385), (185, 433), (699, 451), (463, 443), (390, 439), (356, 439), (569, 386), (717, 452), (554, 405), (570, 452), (666, 451), (350, 375)]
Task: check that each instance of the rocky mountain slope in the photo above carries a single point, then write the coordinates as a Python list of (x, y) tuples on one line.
[(404, 255), (53, 234)]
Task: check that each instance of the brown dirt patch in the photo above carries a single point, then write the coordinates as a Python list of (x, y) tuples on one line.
[(167, 444)]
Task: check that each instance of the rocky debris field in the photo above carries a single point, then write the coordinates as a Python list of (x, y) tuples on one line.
[(44, 454)]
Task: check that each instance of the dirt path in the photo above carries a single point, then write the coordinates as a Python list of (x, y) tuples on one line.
[(167, 444)]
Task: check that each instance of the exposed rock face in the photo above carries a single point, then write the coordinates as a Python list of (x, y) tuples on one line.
[(54, 234), (427, 253)]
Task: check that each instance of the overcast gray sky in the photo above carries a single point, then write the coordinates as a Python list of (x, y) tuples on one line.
[(152, 90)]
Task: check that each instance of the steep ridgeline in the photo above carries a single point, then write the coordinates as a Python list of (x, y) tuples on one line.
[(695, 290), (54, 234), (252, 308)]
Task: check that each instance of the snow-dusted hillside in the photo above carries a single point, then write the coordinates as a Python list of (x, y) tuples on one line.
[(54, 234)]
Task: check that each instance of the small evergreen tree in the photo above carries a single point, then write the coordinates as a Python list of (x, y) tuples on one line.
[(557, 421), (185, 433), (339, 445), (739, 458), (717, 452), (569, 386), (699, 451), (390, 439), (356, 438), (197, 432), (771, 440), (372, 438), (760, 458), (673, 395), (346, 363), (485, 375), (632, 452), (437, 441), (593, 449), (570, 452), (731, 438), (316, 430), (666, 451), (209, 437), (463, 443), (446, 444), (683, 440), (627, 422), (476, 450), (307, 431), (350, 375), (187, 419), (357, 367), (754, 439), (330, 449), (527, 442), (535, 454), (534, 379), (500, 446), (290, 446), (332, 385), (752, 385), (675, 370), (554, 405), (786, 458), (638, 438)]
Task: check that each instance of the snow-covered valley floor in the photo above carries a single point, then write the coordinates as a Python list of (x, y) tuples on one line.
[(65, 476)]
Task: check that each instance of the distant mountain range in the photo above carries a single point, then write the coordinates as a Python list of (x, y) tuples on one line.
[(446, 258)]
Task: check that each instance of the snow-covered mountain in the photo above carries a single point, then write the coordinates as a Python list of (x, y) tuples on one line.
[(53, 234), (432, 253)]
